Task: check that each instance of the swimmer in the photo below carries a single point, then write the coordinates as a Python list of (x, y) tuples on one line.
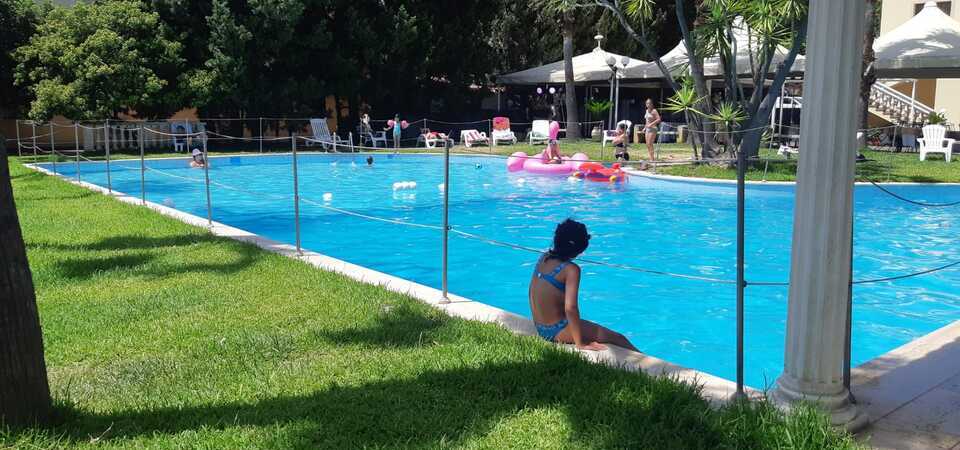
[(554, 290), (198, 160), (369, 160)]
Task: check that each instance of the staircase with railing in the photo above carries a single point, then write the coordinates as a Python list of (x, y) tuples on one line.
[(896, 107)]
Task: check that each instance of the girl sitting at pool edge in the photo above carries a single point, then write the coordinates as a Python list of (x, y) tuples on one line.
[(553, 294)]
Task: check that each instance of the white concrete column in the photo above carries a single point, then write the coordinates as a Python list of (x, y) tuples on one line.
[(819, 277)]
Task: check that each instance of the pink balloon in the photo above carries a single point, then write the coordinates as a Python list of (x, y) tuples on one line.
[(404, 124), (390, 123)]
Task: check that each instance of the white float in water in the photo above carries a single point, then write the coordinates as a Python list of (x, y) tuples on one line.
[(404, 185), (440, 186), (327, 197)]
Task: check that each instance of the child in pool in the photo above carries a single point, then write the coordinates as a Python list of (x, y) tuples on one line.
[(553, 294)]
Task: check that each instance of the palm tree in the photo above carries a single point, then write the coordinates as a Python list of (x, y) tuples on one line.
[(564, 11), (869, 74)]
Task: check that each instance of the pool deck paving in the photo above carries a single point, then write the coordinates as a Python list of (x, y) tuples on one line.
[(912, 393)]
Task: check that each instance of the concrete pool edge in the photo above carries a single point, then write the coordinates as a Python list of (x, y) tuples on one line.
[(657, 176), (714, 389), (911, 392)]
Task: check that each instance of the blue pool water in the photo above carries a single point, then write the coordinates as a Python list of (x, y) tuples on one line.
[(684, 227)]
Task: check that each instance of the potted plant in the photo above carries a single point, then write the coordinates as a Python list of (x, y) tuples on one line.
[(937, 118), (598, 108)]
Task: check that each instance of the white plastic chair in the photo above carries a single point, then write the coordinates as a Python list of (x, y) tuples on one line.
[(374, 137), (322, 134), (470, 138), (540, 132), (609, 135), (933, 141)]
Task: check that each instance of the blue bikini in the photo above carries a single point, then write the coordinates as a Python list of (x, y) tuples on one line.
[(550, 332)]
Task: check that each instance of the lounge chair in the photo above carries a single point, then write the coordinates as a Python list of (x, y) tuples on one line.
[(540, 132), (933, 141), (470, 138), (501, 131), (609, 135), (323, 136), (430, 139)]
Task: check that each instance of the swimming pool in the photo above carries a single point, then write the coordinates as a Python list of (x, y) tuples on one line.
[(677, 226)]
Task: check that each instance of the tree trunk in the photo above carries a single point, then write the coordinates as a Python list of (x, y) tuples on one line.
[(24, 392), (703, 124), (570, 90), (869, 74), (761, 117)]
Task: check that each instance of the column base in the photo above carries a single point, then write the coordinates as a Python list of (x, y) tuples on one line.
[(789, 391)]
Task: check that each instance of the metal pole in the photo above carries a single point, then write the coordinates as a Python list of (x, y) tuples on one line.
[(780, 114), (446, 219), (106, 146), (261, 135), (33, 128), (19, 151), (206, 176), (847, 353), (490, 134), (53, 148), (913, 102), (616, 100), (350, 138), (76, 144), (296, 192), (143, 168), (610, 114), (741, 284)]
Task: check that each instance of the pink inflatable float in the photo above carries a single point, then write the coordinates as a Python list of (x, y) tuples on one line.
[(538, 163)]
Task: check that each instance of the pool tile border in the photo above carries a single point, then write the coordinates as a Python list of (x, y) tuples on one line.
[(714, 389), (657, 176)]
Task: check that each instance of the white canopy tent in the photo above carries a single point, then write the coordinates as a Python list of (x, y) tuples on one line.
[(588, 67), (926, 46), (677, 62)]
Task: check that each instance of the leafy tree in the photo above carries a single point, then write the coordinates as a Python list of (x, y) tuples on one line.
[(24, 390), (564, 10), (92, 60), (17, 22), (709, 31), (869, 73)]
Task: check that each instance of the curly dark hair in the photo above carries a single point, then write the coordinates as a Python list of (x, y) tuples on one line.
[(569, 240)]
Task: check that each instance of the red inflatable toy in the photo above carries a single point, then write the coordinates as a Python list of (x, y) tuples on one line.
[(596, 172)]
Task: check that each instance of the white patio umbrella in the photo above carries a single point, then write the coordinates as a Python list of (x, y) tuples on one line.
[(588, 67), (926, 46)]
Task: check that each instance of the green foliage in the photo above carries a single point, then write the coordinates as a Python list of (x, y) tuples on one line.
[(684, 100), (599, 107), (18, 20), (936, 118), (728, 114), (94, 59)]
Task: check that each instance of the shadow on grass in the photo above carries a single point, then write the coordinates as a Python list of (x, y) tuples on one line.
[(604, 409), (143, 251), (396, 326)]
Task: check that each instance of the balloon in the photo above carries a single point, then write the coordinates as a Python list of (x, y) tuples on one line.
[(404, 124), (390, 123)]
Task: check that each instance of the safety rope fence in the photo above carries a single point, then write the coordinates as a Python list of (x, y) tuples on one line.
[(297, 144)]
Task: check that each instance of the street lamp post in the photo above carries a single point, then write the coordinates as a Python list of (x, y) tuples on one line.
[(615, 85), (612, 63)]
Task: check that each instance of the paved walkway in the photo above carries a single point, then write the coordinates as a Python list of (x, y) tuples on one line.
[(912, 394)]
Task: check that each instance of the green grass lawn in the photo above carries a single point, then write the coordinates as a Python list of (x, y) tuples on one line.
[(160, 335), (881, 166)]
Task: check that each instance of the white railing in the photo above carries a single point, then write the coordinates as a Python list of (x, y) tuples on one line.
[(898, 106)]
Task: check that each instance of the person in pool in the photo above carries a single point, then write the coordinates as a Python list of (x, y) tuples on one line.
[(554, 289), (198, 160)]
